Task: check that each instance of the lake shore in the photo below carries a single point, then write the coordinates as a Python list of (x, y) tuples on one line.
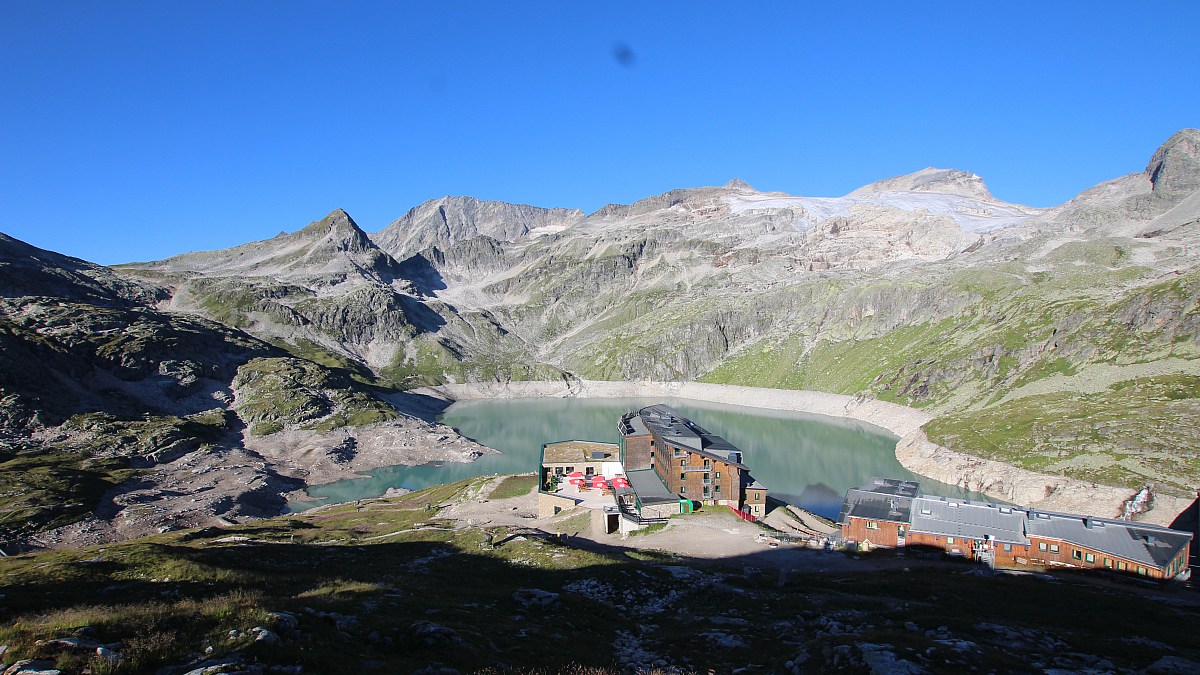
[(914, 450)]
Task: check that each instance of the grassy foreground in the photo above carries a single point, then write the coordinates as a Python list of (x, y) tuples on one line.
[(388, 586)]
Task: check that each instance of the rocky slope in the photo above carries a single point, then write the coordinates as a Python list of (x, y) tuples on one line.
[(117, 418)]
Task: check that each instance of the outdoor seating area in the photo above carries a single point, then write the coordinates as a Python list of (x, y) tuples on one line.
[(597, 481)]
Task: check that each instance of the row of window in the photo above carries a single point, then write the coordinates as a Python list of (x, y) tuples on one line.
[(1082, 556)]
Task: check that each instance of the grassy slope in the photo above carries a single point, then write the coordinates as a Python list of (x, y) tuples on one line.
[(1018, 331), (276, 392), (362, 582)]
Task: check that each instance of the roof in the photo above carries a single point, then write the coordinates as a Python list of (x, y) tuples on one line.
[(872, 506), (578, 451), (631, 424), (893, 486), (949, 517), (881, 499), (649, 487), (677, 430), (1148, 544)]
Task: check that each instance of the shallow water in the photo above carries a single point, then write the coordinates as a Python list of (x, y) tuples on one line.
[(807, 460)]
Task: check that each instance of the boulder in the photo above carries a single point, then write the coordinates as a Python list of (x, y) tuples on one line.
[(535, 597), (32, 667)]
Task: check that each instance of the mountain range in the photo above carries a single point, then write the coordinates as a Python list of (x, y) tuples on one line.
[(1063, 340)]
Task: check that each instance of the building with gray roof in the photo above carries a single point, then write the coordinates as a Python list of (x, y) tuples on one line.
[(693, 463), (890, 512)]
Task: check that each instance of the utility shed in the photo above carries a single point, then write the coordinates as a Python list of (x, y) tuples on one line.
[(878, 512), (1123, 546)]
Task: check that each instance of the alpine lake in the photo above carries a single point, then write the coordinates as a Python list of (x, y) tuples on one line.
[(806, 460)]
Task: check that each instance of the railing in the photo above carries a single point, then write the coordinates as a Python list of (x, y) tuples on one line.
[(749, 518), (631, 514)]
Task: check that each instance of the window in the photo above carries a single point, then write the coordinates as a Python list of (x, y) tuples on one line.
[(683, 462), (707, 464), (1054, 548), (717, 488), (683, 476), (1076, 554), (570, 469), (1141, 570), (682, 489), (718, 474), (705, 476), (872, 525), (1089, 557), (1008, 548), (949, 540), (1122, 565), (651, 454), (1041, 546), (1108, 562)]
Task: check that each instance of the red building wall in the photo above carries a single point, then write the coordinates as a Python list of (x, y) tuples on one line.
[(1075, 555), (886, 534)]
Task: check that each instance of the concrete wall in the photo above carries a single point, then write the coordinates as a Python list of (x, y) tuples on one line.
[(548, 502)]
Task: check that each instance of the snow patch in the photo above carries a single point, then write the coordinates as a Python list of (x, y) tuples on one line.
[(972, 215)]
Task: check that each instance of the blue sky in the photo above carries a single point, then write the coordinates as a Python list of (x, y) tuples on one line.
[(138, 130)]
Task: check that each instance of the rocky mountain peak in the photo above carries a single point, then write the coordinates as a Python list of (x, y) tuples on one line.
[(739, 184), (442, 222), (940, 181), (339, 230), (1174, 169)]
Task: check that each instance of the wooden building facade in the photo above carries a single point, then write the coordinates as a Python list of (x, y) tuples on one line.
[(878, 512)]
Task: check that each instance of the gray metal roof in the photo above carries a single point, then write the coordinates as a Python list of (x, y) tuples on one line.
[(950, 517), (1149, 544), (893, 486), (874, 506), (649, 487), (632, 425), (677, 430)]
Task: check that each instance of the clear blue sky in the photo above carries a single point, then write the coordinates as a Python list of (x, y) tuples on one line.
[(137, 130)]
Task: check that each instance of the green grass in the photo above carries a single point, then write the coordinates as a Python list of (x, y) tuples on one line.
[(514, 486)]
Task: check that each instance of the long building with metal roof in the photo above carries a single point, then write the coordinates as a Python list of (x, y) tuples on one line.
[(890, 512)]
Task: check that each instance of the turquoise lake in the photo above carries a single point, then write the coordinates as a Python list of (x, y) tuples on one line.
[(806, 460)]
